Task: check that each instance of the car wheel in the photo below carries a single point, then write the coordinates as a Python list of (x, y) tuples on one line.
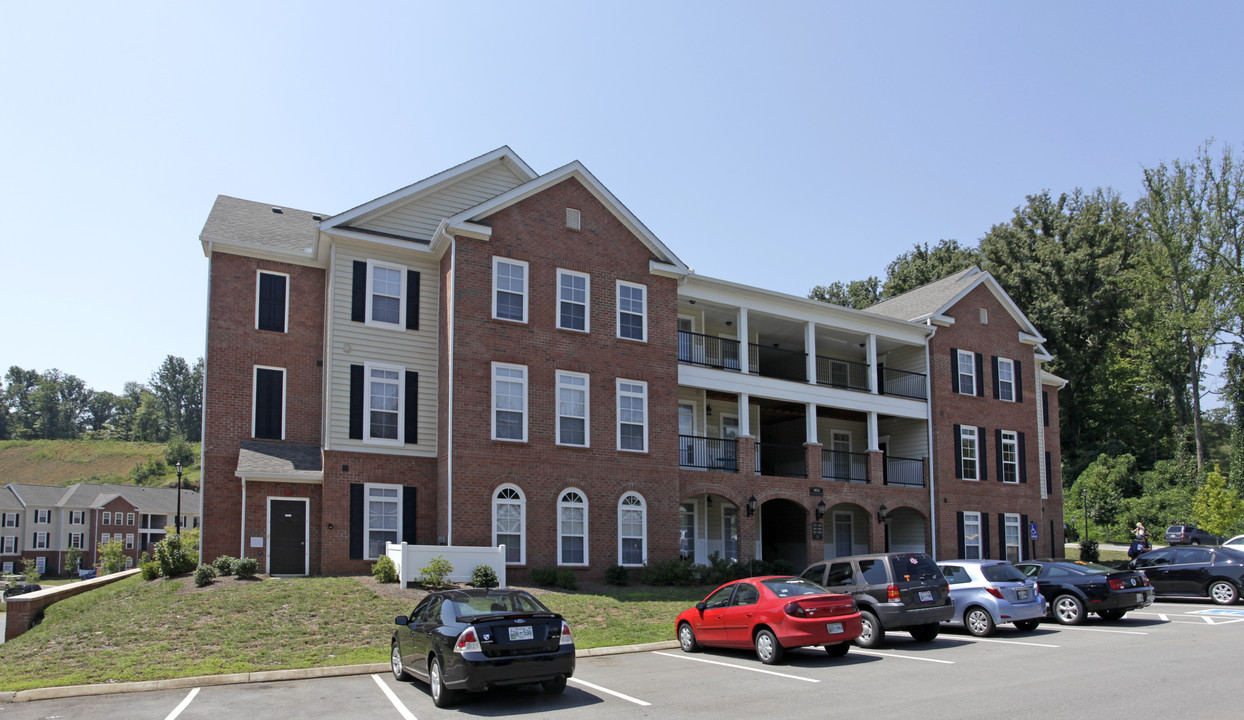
[(1027, 625), (1112, 615), (768, 649), (871, 632), (1223, 593), (441, 695), (925, 633), (686, 638), (395, 658), (554, 687), (838, 650), (978, 621), (1196, 542), (1068, 610)]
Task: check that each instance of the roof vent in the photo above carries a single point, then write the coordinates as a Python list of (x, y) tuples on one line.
[(573, 218), (278, 211), (316, 218)]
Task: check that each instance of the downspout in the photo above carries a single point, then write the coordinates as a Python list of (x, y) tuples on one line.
[(929, 427), (449, 434)]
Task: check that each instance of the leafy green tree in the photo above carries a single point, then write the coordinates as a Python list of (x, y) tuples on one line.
[(73, 559), (148, 420), (1216, 508), (100, 407), (178, 390), (112, 557), (857, 294), (1103, 485), (30, 571), (179, 451), (922, 265)]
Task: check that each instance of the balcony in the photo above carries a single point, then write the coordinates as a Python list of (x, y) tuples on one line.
[(781, 460), (845, 374), (707, 453), (908, 472), (901, 383), (708, 351), (844, 466)]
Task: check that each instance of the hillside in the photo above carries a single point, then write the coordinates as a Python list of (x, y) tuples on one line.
[(65, 462)]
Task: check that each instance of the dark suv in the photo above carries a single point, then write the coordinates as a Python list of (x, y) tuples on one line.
[(1189, 535), (894, 591)]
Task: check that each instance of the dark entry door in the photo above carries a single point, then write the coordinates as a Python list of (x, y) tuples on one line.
[(287, 532)]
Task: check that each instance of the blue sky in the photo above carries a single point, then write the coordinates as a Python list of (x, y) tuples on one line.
[(782, 145)]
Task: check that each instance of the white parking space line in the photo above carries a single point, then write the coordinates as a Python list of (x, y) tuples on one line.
[(736, 667), (854, 651), (1006, 642), (1206, 619), (401, 709), (607, 691), (1084, 629), (184, 704)]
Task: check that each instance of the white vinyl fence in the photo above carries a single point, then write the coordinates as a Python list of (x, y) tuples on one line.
[(411, 559)]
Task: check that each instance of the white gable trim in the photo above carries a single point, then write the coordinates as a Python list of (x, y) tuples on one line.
[(1008, 304)]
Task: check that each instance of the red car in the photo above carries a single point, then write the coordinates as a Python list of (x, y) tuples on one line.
[(772, 614)]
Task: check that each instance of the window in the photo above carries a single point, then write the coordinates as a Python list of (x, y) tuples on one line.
[(10, 520), (572, 528), (75, 540), (632, 530), (686, 531), (269, 406), (107, 518), (104, 539), (573, 291), (41, 564), (632, 311), (41, 541), (8, 546), (730, 532), (509, 402), (967, 453), (7, 568), (129, 541), (572, 409), (509, 516), (129, 518), (1005, 374), (509, 289), (1011, 530), (75, 517), (43, 517), (971, 535), (385, 294), (272, 303), (1009, 448), (384, 517), (632, 415), (966, 372), (383, 420)]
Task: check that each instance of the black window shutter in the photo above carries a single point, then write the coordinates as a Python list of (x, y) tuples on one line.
[(958, 452), (1045, 408), (271, 302), (996, 394), (980, 375), (954, 370), (412, 300), (408, 515), (961, 543), (1002, 536), (1023, 536), (982, 457), (358, 294), (411, 402), (985, 554), (268, 403), (356, 402), (356, 521), (997, 436), (1019, 383), (1049, 475), (1023, 459)]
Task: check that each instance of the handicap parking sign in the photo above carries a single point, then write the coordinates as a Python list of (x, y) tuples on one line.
[(1032, 530)]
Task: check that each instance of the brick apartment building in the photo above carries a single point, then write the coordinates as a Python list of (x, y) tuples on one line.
[(491, 356)]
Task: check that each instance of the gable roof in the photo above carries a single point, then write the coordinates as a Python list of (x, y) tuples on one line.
[(9, 499), (84, 496), (935, 299), (251, 226)]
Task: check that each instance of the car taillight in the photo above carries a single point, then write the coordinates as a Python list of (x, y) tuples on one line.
[(891, 593), (1116, 584), (794, 609), (567, 638), (994, 591), (1144, 580), (467, 641)]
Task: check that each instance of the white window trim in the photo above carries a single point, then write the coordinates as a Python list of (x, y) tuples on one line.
[(643, 536), (496, 262), (7, 567), (129, 541), (255, 398), (562, 503), (618, 305), (258, 276), (1008, 383), (129, 518), (75, 540), (401, 297), (367, 488), (587, 408), (521, 501), (10, 520), (77, 517), (972, 516), (587, 300), (8, 545), (40, 541), (1010, 437), (618, 405), (107, 518), (725, 511), (971, 358), (964, 430), (401, 404), (41, 564), (104, 539), (1013, 520), (43, 516), (493, 392)]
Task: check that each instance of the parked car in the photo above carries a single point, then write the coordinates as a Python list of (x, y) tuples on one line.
[(479, 639), (771, 614), (988, 593), (1189, 535), (1075, 588), (1215, 573), (894, 591), (1236, 542), (21, 589)]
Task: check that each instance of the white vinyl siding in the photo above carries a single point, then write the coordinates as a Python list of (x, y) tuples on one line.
[(420, 217)]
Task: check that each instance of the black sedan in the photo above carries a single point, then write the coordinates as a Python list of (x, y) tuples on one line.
[(479, 639), (1216, 573), (1075, 588)]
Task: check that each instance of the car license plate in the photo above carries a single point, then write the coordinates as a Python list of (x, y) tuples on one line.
[(1140, 597), (522, 632), (926, 596), (1021, 594), (833, 628)]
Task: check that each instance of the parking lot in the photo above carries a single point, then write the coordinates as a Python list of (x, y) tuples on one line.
[(1173, 657)]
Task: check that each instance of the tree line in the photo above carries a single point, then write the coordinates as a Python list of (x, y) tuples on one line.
[(1137, 300), (53, 405)]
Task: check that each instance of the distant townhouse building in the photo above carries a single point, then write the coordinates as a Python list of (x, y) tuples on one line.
[(495, 357)]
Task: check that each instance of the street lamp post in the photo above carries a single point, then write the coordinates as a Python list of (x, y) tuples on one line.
[(1086, 525), (177, 517)]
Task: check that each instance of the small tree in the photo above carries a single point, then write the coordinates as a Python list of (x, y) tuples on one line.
[(112, 556), (1216, 508), (30, 571), (175, 555), (73, 559), (179, 451)]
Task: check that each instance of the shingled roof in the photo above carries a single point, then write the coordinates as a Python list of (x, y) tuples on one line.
[(283, 460)]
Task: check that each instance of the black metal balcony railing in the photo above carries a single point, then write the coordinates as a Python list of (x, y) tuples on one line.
[(838, 373), (708, 351), (781, 460), (774, 362), (708, 453), (901, 383), (844, 466), (904, 471)]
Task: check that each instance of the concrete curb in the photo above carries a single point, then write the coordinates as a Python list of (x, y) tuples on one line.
[(67, 691)]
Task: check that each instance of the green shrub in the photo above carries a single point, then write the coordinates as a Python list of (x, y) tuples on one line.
[(1088, 550), (112, 557), (174, 556), (544, 577), (30, 571), (204, 574), (224, 565), (245, 568), (148, 473), (617, 575), (150, 570), (670, 572), (483, 576), (73, 559), (179, 451), (436, 573), (566, 579), (384, 570)]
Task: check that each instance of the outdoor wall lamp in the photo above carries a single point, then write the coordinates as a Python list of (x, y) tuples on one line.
[(751, 506), (883, 514), (820, 510)]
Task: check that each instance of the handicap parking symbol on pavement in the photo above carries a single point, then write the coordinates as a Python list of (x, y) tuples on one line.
[(1219, 611)]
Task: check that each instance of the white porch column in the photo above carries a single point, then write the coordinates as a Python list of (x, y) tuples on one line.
[(810, 416), (873, 441), (744, 352), (872, 367), (745, 415), (809, 346)]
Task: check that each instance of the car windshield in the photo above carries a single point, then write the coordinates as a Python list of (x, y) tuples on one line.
[(792, 586), (1002, 572), (467, 605), (910, 567)]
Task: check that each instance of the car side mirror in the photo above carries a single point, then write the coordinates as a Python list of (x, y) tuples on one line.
[(401, 620), (700, 606)]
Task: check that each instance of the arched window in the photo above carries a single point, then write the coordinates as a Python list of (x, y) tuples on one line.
[(572, 528), (632, 530), (509, 523)]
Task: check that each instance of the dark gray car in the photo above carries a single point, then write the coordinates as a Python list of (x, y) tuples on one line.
[(894, 591), (1189, 535)]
